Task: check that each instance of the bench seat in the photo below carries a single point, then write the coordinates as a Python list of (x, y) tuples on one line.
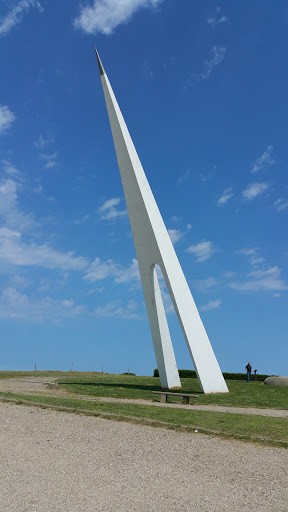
[(164, 396)]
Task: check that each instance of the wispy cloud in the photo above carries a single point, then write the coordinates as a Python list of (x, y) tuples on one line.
[(254, 190), (206, 284), (175, 235), (109, 209), (6, 119), (202, 251), (246, 251), (217, 54), (252, 254), (117, 310), (99, 270), (261, 280), (105, 15), (10, 214), (264, 161), (184, 177), (281, 205), (41, 142), (14, 251), (17, 305), (212, 304), (207, 175), (227, 194), (257, 260), (82, 219), (15, 15), (217, 19), (50, 159), (10, 169), (129, 274)]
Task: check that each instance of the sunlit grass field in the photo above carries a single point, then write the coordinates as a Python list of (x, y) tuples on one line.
[(241, 394), (84, 386)]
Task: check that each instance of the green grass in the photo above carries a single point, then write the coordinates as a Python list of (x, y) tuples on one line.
[(266, 430), (241, 394)]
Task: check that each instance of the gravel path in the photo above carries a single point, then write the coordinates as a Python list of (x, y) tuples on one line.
[(59, 462), (34, 385)]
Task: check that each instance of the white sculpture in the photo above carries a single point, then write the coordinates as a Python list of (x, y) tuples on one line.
[(154, 247)]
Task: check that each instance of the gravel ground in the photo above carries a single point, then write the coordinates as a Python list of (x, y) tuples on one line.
[(60, 462)]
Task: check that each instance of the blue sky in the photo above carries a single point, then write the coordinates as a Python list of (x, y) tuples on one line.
[(203, 89)]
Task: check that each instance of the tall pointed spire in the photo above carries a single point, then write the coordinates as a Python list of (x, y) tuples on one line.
[(101, 69), (154, 247)]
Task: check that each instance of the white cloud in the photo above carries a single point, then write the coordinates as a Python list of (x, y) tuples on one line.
[(261, 280), (184, 177), (263, 161), (216, 21), (203, 251), (10, 169), (227, 194), (252, 252), (14, 304), (15, 15), (212, 304), (175, 235), (105, 15), (246, 252), (50, 159), (17, 305), (13, 251), (99, 270), (6, 119), (9, 211), (281, 205), (40, 143), (175, 219), (129, 274), (116, 310), (257, 260), (206, 284), (254, 190), (217, 54), (109, 209), (82, 219)]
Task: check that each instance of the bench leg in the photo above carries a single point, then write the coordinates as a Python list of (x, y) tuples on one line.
[(185, 399), (163, 397)]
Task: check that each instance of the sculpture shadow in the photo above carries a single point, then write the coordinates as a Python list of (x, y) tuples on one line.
[(124, 385)]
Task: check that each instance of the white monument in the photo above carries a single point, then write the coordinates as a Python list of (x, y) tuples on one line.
[(154, 247)]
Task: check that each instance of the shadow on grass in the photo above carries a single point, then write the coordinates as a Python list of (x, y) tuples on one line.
[(138, 387)]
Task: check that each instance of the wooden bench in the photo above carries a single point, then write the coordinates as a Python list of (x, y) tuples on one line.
[(164, 395)]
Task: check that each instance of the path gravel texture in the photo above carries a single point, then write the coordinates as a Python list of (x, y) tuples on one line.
[(60, 462)]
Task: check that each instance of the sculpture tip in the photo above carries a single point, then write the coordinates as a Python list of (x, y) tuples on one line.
[(101, 69)]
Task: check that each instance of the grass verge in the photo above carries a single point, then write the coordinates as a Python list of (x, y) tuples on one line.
[(241, 394), (264, 430)]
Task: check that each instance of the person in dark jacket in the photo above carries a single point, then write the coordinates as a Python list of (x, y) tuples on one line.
[(248, 369)]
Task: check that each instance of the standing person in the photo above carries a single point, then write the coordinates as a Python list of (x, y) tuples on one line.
[(248, 369)]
